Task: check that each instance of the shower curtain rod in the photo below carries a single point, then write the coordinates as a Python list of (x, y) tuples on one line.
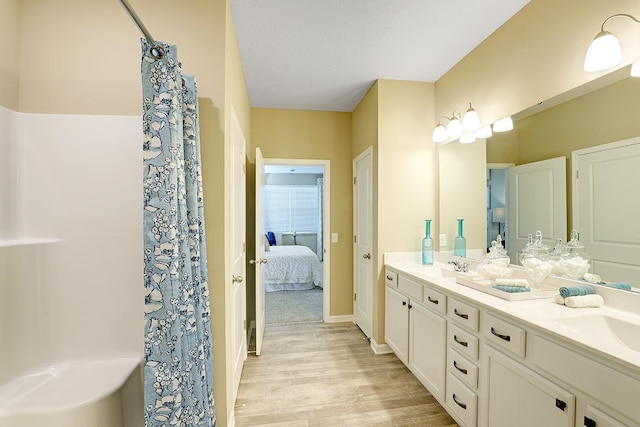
[(132, 13)]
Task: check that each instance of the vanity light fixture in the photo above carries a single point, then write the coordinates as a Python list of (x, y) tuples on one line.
[(605, 52), (471, 119), (503, 125), (456, 126), (468, 138), (440, 132)]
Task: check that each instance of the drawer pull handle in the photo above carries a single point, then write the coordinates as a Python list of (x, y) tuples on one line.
[(464, 316), (504, 337), (435, 301), (455, 365), (390, 278), (588, 422), (560, 404), (462, 343), (404, 303), (462, 405)]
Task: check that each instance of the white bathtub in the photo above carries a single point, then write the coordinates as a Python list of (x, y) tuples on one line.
[(93, 393)]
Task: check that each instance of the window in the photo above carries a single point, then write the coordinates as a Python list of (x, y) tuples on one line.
[(291, 208)]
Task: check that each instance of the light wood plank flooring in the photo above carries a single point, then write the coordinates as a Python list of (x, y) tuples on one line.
[(316, 374)]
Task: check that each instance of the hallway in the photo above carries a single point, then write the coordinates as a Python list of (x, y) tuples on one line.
[(317, 374)]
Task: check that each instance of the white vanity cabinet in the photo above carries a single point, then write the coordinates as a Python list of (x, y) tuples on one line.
[(416, 331)]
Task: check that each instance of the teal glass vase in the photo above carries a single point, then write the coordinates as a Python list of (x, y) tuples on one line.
[(427, 245), (460, 243)]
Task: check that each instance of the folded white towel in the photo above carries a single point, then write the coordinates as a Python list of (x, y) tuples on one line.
[(591, 278), (593, 300), (558, 299), (521, 283)]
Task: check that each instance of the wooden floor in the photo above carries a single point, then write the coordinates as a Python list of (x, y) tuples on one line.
[(317, 374)]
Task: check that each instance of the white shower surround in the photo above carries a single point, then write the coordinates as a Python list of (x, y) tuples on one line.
[(70, 251)]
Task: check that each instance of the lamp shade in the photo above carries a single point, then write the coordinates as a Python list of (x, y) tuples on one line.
[(484, 132), (604, 52), (497, 214), (503, 125), (468, 138), (471, 119), (454, 128), (635, 69), (439, 134)]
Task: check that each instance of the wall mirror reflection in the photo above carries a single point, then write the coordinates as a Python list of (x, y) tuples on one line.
[(572, 162)]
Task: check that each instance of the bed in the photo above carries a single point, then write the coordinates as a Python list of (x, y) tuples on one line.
[(291, 268)]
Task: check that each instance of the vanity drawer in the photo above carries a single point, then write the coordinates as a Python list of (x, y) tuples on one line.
[(435, 300), (462, 368), (391, 278), (504, 334), (464, 342), (410, 287), (462, 401), (464, 314)]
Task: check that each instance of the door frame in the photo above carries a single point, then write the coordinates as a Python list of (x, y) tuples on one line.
[(326, 224)]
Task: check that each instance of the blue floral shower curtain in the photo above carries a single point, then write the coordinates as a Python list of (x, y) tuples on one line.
[(178, 356)]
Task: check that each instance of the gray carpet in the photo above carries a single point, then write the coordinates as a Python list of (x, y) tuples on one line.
[(293, 306)]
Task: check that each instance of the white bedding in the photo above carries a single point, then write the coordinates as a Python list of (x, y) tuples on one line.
[(291, 268)]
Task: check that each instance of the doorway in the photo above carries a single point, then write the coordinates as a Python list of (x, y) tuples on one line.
[(497, 206), (296, 222)]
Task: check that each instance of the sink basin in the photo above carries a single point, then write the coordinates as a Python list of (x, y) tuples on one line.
[(627, 333)]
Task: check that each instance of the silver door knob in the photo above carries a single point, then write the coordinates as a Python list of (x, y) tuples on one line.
[(263, 261), (236, 279), (253, 261), (366, 256)]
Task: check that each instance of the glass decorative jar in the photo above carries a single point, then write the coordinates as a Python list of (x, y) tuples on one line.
[(537, 262), (427, 244), (526, 248), (559, 255), (496, 264), (576, 263)]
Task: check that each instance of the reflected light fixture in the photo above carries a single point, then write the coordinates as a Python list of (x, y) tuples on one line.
[(440, 132), (468, 138), (454, 127), (605, 52), (484, 132), (503, 125), (635, 69)]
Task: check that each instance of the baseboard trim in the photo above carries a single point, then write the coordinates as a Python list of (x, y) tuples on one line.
[(340, 318), (231, 422), (380, 348)]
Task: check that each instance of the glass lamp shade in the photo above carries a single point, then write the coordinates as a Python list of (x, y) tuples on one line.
[(468, 138), (454, 128), (635, 69), (604, 52), (439, 134), (503, 125), (484, 132), (471, 120)]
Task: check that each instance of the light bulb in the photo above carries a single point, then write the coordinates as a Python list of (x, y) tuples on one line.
[(604, 52)]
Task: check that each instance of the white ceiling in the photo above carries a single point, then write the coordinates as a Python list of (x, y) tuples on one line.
[(325, 54)]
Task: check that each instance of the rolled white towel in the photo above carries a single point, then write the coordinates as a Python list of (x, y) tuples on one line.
[(593, 300), (521, 283), (558, 299), (591, 278)]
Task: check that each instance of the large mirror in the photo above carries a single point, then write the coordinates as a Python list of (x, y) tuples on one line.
[(600, 114)]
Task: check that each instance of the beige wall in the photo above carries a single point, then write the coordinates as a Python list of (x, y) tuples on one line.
[(289, 134), (10, 54), (536, 55)]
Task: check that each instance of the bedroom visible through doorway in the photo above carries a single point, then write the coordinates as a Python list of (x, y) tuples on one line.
[(294, 224)]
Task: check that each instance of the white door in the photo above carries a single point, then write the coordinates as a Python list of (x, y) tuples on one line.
[(259, 259), (537, 200), (363, 246), (237, 237), (607, 208)]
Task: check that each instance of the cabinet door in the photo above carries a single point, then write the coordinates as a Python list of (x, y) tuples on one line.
[(427, 348), (396, 328), (594, 417), (519, 397)]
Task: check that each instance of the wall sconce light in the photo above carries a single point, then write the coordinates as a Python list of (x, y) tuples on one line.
[(456, 126), (605, 52), (503, 125)]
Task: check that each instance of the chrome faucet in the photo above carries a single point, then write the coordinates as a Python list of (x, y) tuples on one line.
[(459, 266)]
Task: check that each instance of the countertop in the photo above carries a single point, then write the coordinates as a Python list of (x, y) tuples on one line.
[(538, 313)]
